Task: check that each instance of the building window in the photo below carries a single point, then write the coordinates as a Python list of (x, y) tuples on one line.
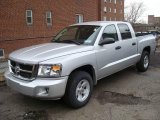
[(115, 1), (29, 17), (1, 53), (105, 9), (79, 18), (115, 11), (110, 1), (105, 0), (49, 17), (105, 18), (110, 10)]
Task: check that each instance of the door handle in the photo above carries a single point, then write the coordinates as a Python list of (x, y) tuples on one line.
[(133, 44), (118, 47)]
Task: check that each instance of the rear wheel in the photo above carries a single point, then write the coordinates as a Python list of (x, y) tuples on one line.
[(143, 64), (79, 89)]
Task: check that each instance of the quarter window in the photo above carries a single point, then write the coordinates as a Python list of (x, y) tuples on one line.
[(125, 31), (110, 32), (29, 17)]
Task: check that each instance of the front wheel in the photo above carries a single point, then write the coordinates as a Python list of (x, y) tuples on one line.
[(143, 64), (79, 89)]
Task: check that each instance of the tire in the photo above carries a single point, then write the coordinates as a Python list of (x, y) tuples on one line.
[(143, 64), (80, 83)]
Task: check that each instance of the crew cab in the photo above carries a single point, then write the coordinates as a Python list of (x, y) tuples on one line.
[(70, 65)]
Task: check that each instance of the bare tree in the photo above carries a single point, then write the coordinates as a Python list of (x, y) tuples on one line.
[(134, 12)]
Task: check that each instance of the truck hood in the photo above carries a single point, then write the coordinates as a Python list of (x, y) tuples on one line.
[(42, 52)]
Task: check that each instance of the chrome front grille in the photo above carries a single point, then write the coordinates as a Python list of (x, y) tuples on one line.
[(23, 71)]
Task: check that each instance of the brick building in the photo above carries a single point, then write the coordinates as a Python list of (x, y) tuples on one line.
[(153, 20), (143, 27), (112, 10), (28, 22)]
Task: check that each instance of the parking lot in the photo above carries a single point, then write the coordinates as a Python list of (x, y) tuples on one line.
[(127, 95)]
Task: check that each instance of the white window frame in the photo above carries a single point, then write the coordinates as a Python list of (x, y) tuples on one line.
[(50, 17), (29, 16), (80, 18), (115, 1), (110, 9), (105, 9)]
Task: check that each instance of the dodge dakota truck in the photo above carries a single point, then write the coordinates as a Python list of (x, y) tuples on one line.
[(70, 65)]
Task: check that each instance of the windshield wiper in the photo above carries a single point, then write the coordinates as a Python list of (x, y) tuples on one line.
[(68, 41)]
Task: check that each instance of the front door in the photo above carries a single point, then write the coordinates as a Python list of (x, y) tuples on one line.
[(109, 54)]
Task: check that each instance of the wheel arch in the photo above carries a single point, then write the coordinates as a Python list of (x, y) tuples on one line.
[(89, 69), (148, 49)]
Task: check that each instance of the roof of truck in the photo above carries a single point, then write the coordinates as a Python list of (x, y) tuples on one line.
[(100, 23)]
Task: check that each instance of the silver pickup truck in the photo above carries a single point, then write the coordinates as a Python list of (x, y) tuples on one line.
[(71, 64)]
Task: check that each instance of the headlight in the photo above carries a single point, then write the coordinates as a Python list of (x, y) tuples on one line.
[(50, 70)]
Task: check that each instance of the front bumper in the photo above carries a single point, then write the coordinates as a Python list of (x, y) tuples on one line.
[(45, 88)]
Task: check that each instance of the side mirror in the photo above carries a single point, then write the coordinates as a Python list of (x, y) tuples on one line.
[(106, 41)]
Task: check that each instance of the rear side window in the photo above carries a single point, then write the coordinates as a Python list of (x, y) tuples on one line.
[(110, 32), (125, 31)]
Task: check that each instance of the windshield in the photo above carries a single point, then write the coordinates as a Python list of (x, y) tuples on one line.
[(80, 34)]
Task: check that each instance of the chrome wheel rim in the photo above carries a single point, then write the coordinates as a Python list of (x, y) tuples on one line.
[(146, 61), (82, 90)]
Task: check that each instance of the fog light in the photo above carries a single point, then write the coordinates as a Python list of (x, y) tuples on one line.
[(42, 91)]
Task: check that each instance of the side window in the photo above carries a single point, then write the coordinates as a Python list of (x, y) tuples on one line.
[(125, 31), (110, 32)]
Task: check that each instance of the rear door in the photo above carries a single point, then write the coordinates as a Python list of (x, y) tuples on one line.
[(129, 45)]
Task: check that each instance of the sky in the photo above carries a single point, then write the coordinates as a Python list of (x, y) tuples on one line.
[(152, 7)]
